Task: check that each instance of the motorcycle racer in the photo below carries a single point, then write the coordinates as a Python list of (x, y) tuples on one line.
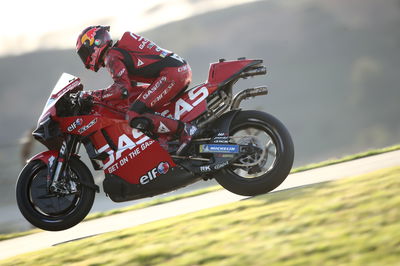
[(135, 59)]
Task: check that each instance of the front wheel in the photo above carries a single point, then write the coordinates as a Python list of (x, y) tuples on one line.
[(267, 168), (51, 211)]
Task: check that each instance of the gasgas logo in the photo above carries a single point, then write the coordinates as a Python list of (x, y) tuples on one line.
[(139, 143), (161, 169), (196, 95)]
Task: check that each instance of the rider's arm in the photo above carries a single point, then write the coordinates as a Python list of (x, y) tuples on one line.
[(122, 83)]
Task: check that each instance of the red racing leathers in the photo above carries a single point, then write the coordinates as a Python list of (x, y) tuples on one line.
[(135, 59)]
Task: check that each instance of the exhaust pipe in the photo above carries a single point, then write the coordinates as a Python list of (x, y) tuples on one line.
[(254, 71), (247, 93)]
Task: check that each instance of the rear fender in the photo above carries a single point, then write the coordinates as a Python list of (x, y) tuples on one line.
[(223, 123)]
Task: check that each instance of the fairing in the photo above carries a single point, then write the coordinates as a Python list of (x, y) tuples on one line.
[(225, 71), (66, 83), (131, 154), (189, 106)]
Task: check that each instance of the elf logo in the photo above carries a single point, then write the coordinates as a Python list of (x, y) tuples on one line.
[(161, 169), (75, 124)]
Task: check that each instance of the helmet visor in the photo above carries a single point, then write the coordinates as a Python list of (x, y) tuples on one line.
[(84, 54)]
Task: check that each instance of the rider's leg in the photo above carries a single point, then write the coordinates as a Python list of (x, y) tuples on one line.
[(143, 117), (161, 91)]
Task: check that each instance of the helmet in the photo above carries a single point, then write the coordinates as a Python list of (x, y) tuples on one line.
[(92, 44)]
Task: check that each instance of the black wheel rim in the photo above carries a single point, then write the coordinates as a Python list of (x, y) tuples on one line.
[(48, 204)]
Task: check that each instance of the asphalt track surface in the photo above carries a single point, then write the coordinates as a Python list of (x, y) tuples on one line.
[(34, 242)]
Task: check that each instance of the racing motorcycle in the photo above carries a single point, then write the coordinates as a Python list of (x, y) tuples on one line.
[(248, 152)]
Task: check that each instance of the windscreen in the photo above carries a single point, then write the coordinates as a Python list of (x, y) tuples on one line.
[(65, 83)]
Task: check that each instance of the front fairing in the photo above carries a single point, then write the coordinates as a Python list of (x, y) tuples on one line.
[(48, 131), (66, 83)]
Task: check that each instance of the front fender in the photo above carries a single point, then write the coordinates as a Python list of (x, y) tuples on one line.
[(48, 157), (45, 156)]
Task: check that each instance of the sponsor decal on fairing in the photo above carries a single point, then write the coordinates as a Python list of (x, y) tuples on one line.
[(161, 169), (75, 124), (138, 144), (197, 95), (84, 128)]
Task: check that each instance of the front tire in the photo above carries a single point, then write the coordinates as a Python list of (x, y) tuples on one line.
[(49, 211), (262, 172)]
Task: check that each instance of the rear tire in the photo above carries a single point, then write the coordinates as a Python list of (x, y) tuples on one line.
[(268, 174), (49, 211)]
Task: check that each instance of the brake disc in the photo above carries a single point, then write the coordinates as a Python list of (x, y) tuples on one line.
[(258, 159)]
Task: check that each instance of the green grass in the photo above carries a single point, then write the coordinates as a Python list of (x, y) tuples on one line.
[(215, 188), (353, 221), (154, 202), (18, 234), (347, 158), (211, 189)]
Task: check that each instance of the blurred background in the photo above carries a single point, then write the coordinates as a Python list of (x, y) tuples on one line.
[(334, 67)]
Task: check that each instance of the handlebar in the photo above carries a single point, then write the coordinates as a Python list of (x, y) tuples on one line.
[(77, 105)]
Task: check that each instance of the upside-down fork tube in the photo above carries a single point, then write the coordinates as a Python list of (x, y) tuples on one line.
[(67, 149)]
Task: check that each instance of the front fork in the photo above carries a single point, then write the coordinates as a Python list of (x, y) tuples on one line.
[(57, 169)]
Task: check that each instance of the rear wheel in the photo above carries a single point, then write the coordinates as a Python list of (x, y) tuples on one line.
[(54, 211), (268, 167)]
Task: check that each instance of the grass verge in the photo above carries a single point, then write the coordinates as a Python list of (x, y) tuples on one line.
[(18, 234), (215, 188), (211, 189), (347, 158), (353, 221)]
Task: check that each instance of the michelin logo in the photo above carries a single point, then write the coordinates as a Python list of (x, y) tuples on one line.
[(216, 148)]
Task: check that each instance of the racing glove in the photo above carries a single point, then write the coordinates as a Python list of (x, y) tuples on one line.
[(96, 95)]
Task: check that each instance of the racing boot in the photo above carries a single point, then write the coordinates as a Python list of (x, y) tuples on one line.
[(158, 124), (188, 132), (169, 126)]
